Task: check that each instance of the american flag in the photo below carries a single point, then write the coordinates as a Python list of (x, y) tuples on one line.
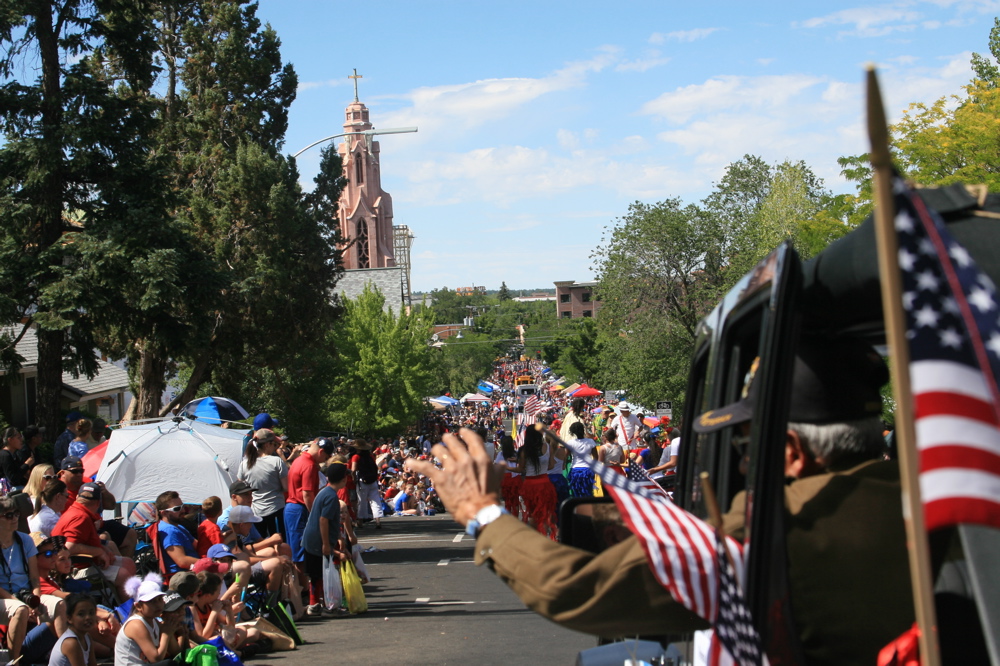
[(683, 552), (954, 333), (526, 419)]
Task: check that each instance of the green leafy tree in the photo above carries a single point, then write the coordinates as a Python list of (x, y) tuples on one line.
[(955, 139), (74, 170), (504, 293), (276, 246), (660, 270), (384, 369)]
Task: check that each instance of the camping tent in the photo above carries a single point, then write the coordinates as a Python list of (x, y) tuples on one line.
[(586, 392), (195, 459)]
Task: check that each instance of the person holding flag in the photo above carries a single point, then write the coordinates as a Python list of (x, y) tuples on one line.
[(847, 561), (628, 428)]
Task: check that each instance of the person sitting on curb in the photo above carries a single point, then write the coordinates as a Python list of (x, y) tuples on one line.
[(78, 524)]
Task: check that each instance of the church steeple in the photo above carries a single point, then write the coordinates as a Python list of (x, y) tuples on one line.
[(365, 210)]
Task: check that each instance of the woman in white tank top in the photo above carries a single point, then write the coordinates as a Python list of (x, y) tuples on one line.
[(537, 491)]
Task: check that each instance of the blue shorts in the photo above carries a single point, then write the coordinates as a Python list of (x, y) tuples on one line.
[(295, 524)]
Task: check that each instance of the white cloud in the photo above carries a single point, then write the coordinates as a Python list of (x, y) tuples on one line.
[(567, 139), (867, 21), (641, 64), (683, 36), (309, 85), (765, 61), (505, 176), (728, 92), (469, 105), (792, 116)]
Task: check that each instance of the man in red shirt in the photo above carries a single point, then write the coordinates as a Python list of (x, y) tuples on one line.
[(80, 523), (303, 485)]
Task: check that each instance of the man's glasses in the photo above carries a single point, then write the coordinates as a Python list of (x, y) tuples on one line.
[(11, 515), (75, 470), (176, 509)]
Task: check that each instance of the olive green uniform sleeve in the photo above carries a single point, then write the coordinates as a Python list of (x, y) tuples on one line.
[(611, 594)]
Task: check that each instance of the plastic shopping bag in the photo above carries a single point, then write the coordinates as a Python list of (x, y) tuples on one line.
[(353, 592), (226, 656), (202, 655), (359, 563), (333, 591)]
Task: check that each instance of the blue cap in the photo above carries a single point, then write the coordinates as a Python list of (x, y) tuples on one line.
[(264, 420), (218, 551), (73, 416)]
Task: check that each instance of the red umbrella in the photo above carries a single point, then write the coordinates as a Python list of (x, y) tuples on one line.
[(586, 392), (93, 459)]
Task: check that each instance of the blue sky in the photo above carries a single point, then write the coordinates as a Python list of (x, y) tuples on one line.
[(539, 122)]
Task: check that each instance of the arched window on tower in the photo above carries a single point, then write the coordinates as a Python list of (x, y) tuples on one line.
[(359, 168), (361, 241)]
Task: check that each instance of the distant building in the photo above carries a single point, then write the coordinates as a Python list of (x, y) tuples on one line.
[(470, 291), (576, 299), (534, 298), (106, 395)]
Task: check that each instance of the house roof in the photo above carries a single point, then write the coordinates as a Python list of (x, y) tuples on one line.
[(109, 378)]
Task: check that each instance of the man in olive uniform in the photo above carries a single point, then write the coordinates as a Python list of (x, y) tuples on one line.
[(847, 564)]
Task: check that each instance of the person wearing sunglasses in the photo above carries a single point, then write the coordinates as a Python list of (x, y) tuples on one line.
[(41, 474), (178, 543), (72, 474), (79, 523), (54, 569), (21, 599)]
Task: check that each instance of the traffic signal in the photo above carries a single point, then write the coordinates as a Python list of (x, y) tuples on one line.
[(538, 355)]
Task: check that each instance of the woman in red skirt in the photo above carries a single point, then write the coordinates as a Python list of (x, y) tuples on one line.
[(537, 491)]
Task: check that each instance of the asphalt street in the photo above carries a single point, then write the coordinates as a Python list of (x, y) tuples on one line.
[(429, 604)]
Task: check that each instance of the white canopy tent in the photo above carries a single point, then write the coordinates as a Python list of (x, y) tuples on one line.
[(474, 397), (195, 459)]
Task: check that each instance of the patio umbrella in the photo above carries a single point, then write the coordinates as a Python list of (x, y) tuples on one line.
[(93, 458), (651, 421), (586, 392), (215, 410)]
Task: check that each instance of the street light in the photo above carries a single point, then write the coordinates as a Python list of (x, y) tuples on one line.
[(368, 134)]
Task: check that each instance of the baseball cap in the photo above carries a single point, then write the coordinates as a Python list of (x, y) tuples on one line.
[(184, 583), (148, 590), (219, 551), (239, 488), (834, 380), (43, 542), (73, 416), (91, 489), (327, 445), (243, 514), (173, 601), (265, 420), (211, 566), (69, 462)]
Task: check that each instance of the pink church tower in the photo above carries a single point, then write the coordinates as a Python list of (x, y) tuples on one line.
[(365, 209)]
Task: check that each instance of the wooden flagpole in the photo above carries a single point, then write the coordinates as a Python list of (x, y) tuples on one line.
[(895, 327)]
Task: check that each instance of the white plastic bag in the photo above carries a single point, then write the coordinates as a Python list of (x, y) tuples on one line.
[(333, 591), (359, 563)]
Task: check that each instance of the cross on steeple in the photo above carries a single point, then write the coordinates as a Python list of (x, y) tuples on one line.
[(355, 76)]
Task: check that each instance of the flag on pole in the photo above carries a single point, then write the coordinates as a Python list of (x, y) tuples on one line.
[(954, 337), (686, 556)]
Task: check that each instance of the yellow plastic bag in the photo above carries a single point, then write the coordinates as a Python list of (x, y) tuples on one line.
[(354, 594), (598, 487)]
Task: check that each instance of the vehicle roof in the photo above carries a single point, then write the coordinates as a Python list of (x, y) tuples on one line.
[(841, 284)]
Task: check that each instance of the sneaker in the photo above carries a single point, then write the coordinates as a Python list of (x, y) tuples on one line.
[(314, 610), (336, 612)]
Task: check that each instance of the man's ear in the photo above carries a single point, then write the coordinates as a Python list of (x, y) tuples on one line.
[(799, 461)]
